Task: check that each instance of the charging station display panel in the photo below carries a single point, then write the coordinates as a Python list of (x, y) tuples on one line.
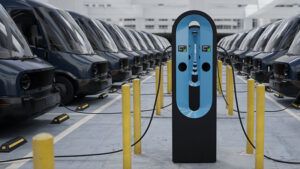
[(194, 92)]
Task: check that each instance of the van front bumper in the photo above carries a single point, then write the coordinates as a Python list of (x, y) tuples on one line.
[(152, 63), (93, 86), (260, 76), (121, 75), (28, 106), (137, 70), (146, 65), (247, 68), (238, 65), (285, 87)]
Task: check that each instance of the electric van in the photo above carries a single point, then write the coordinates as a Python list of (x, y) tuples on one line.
[(226, 44), (158, 46), (276, 47), (259, 47), (123, 45), (137, 47), (158, 54), (104, 45), (235, 46), (26, 81), (54, 36), (246, 46), (145, 47), (286, 72), (165, 44)]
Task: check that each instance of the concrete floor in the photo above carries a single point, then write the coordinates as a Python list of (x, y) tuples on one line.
[(101, 133)]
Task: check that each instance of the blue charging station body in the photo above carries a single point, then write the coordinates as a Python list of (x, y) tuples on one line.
[(194, 91)]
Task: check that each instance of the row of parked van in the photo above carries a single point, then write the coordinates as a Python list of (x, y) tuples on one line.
[(50, 56), (270, 54)]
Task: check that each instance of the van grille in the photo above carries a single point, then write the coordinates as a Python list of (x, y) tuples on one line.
[(102, 69), (257, 64), (146, 58), (281, 71), (137, 60), (124, 64), (40, 79)]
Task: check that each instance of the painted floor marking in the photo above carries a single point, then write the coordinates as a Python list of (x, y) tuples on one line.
[(75, 126)]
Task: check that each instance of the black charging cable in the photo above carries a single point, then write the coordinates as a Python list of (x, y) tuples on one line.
[(242, 125), (149, 94), (108, 113), (109, 152)]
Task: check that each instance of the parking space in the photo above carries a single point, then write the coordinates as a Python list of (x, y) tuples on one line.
[(89, 134)]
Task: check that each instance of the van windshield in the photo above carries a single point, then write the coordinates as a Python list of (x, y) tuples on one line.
[(167, 43), (105, 37), (98, 39), (230, 40), (63, 32), (157, 41), (140, 40), (295, 46), (12, 43), (276, 40), (150, 44), (248, 39), (265, 36), (135, 44), (163, 42), (237, 41), (122, 39)]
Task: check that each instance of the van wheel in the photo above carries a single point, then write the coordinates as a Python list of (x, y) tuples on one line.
[(66, 89)]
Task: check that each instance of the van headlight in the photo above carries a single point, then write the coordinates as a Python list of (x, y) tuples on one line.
[(95, 70), (25, 82), (286, 72), (121, 64)]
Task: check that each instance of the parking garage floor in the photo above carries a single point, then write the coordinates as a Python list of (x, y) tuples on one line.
[(83, 134)]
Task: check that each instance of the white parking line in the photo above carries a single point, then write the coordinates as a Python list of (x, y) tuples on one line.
[(75, 126), (278, 104)]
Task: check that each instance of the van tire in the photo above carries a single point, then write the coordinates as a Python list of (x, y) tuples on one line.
[(66, 89)]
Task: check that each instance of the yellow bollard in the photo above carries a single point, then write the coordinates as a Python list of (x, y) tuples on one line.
[(260, 126), (250, 115), (161, 92), (219, 76), (169, 70), (43, 151), (227, 84), (158, 103), (171, 76), (230, 91), (137, 115), (126, 127)]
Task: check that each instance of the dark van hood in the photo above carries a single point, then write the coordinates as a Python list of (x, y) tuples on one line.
[(289, 59), (14, 67), (252, 54), (81, 58)]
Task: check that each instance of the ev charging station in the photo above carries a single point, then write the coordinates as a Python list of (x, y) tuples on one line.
[(194, 91)]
